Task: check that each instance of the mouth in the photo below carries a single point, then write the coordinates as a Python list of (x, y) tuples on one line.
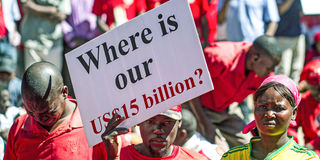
[(270, 124), (158, 142)]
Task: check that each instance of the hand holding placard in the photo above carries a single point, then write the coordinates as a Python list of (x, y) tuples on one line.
[(159, 95)]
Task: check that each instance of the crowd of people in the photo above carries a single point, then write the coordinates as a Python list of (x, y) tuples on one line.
[(263, 57)]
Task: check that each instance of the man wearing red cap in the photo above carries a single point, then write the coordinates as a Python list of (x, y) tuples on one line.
[(308, 115), (158, 133)]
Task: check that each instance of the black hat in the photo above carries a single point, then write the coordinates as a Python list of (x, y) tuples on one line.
[(189, 121), (7, 65)]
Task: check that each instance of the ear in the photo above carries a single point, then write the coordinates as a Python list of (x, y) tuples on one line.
[(256, 56), (180, 123), (294, 113), (183, 134), (65, 91)]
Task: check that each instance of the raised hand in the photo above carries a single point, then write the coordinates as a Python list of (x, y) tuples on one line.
[(110, 137)]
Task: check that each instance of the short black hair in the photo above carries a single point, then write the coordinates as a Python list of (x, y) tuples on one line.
[(189, 121), (280, 88), (269, 45)]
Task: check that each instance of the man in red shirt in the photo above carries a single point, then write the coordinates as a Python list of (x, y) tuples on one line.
[(157, 133), (52, 127), (236, 69), (308, 114)]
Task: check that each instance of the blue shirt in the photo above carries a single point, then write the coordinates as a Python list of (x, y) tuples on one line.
[(15, 91), (247, 19), (289, 25)]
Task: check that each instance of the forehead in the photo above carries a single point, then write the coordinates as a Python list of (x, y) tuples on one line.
[(271, 96), (41, 106), (3, 73), (4, 93), (160, 118)]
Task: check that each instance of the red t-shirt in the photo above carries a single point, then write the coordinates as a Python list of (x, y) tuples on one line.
[(211, 17), (153, 3), (28, 140), (308, 117), (132, 8), (226, 64), (199, 8), (3, 29), (178, 153)]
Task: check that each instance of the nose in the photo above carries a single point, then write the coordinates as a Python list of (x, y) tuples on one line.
[(269, 114), (158, 129)]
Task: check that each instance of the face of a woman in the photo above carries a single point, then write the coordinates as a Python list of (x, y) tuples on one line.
[(273, 113), (318, 47)]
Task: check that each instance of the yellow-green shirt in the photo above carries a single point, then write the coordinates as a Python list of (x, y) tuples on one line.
[(289, 151)]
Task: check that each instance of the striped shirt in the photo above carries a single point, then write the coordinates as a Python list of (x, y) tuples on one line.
[(291, 150)]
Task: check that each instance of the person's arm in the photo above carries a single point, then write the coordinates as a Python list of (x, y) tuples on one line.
[(314, 144), (206, 128), (271, 17), (303, 86), (46, 12), (284, 7), (4, 134), (271, 28), (222, 14), (102, 25), (110, 137)]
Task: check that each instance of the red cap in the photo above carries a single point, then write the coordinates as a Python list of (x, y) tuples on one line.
[(316, 37), (174, 112), (311, 72)]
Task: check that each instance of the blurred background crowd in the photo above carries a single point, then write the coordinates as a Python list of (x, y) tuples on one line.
[(45, 30)]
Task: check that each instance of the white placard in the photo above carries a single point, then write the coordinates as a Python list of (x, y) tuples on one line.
[(310, 7), (139, 69)]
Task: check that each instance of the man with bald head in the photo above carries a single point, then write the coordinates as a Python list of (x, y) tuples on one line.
[(52, 127)]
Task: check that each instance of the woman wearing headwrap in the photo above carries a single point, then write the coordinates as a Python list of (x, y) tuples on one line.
[(275, 104), (308, 115)]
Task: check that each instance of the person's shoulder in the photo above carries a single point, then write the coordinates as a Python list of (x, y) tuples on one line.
[(306, 95), (18, 124), (21, 119), (238, 150), (185, 153)]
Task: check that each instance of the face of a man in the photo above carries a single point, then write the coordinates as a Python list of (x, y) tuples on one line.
[(318, 47), (264, 65), (46, 113), (158, 133), (4, 77), (315, 91), (4, 100), (272, 113)]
